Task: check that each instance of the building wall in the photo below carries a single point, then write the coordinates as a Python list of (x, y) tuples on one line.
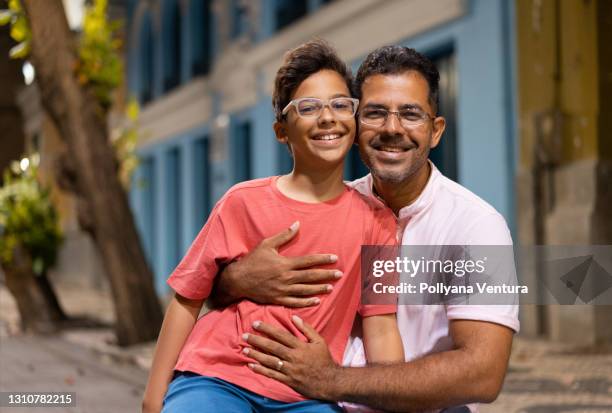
[(236, 92)]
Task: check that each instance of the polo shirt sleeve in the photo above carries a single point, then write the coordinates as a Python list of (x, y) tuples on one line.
[(194, 276), (383, 245), (490, 229)]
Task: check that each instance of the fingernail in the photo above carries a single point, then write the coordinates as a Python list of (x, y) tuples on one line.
[(245, 336), (329, 287), (296, 319), (256, 324), (338, 274), (251, 365), (333, 258), (316, 301), (245, 350), (295, 226)]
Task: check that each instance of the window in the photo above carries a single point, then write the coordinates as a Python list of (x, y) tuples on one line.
[(240, 19), (241, 148), (284, 159), (354, 167), (148, 220), (201, 36), (172, 46), (202, 181), (445, 155), (146, 61), (173, 193), (289, 11)]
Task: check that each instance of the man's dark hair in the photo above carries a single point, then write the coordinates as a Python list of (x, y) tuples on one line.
[(394, 60), (301, 62)]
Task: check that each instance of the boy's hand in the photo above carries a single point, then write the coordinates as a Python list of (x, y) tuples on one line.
[(266, 277)]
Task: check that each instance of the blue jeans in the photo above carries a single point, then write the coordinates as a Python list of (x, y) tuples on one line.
[(193, 393)]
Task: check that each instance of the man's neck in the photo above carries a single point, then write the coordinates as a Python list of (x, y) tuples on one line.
[(313, 185), (398, 196)]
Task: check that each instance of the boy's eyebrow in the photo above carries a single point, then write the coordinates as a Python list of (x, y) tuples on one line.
[(340, 95)]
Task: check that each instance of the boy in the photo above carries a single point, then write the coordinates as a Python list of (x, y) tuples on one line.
[(315, 118)]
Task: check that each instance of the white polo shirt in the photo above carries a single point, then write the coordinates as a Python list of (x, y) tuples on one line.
[(445, 213)]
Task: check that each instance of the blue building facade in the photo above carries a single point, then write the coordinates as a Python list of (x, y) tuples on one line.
[(203, 73)]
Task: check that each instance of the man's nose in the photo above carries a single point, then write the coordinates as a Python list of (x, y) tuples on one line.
[(393, 126)]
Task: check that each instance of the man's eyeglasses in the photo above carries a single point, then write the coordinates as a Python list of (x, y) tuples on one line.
[(311, 108), (409, 118)]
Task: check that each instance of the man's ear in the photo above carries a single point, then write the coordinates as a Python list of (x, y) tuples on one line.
[(281, 132), (439, 124)]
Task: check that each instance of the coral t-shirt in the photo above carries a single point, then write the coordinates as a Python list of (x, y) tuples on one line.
[(248, 213)]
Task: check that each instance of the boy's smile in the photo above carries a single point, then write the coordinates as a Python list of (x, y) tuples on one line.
[(324, 140)]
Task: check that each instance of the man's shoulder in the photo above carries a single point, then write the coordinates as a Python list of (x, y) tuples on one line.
[(475, 221)]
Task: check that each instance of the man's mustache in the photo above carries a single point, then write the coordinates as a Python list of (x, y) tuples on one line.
[(385, 140)]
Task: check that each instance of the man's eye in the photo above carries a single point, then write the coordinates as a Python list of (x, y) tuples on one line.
[(374, 113), (411, 115)]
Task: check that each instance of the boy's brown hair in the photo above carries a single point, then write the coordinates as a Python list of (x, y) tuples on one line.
[(301, 62)]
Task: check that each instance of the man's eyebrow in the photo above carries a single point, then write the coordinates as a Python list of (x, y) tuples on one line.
[(411, 106), (376, 106)]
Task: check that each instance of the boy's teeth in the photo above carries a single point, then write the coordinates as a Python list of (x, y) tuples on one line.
[(327, 137)]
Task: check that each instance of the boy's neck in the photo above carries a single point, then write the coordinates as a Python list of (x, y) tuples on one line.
[(313, 185)]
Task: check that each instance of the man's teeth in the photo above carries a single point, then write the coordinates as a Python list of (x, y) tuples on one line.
[(327, 137), (391, 149)]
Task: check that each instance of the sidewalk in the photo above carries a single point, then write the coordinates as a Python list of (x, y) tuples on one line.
[(543, 377)]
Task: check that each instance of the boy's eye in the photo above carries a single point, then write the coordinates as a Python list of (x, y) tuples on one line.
[(309, 107), (342, 105)]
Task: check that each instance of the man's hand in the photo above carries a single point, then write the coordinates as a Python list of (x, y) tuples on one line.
[(307, 367), (266, 277)]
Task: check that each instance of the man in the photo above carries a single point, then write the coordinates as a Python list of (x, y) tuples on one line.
[(455, 354)]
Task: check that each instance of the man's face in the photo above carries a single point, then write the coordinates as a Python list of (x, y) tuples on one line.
[(393, 152)]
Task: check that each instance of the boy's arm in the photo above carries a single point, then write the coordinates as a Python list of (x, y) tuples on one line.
[(181, 316), (381, 339)]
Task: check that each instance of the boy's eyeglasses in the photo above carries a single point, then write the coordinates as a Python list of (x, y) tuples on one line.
[(311, 108), (378, 117)]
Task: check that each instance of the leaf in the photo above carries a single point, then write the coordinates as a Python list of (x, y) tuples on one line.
[(20, 51), (5, 17)]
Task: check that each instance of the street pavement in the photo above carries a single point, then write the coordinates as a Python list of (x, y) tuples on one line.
[(53, 364), (543, 377)]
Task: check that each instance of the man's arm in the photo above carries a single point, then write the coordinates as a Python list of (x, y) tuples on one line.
[(473, 371), (266, 277)]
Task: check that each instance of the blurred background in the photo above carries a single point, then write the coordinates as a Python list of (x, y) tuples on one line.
[(525, 89)]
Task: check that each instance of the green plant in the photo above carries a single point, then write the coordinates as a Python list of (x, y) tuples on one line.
[(28, 219), (20, 30), (99, 64)]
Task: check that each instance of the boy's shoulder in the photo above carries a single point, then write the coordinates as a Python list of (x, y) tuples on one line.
[(246, 187), (244, 192)]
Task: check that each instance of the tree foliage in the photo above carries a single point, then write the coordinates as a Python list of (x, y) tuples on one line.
[(28, 218)]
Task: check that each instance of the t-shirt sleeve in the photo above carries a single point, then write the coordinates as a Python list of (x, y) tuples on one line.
[(382, 246), (194, 276), (490, 229)]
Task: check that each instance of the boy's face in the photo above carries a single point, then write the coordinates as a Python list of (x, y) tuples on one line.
[(322, 140)]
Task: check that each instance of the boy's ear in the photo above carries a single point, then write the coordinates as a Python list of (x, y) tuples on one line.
[(281, 132)]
